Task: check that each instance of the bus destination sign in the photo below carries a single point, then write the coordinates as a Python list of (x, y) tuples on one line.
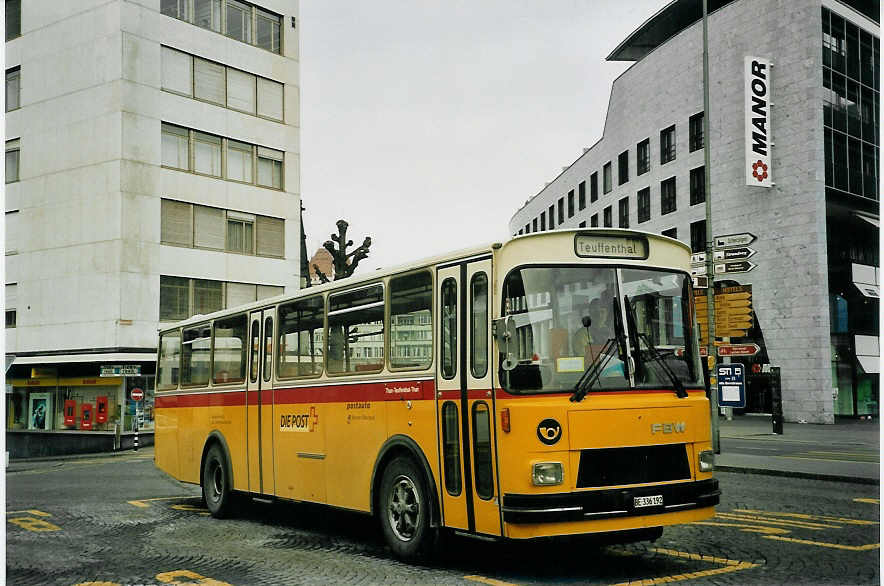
[(605, 246)]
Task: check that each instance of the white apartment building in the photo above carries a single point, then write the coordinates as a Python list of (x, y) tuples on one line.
[(152, 173), (812, 256)]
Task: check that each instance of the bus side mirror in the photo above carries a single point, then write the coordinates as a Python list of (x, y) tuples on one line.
[(507, 344)]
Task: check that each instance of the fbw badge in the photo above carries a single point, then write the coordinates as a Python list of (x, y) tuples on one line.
[(549, 431)]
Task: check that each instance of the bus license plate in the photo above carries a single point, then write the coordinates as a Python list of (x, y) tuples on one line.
[(647, 501)]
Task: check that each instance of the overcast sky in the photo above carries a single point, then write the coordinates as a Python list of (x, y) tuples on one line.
[(426, 123)]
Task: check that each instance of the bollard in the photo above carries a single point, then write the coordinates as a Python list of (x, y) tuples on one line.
[(776, 399), (118, 443), (135, 442)]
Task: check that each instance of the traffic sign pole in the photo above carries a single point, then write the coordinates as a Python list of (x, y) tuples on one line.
[(710, 290)]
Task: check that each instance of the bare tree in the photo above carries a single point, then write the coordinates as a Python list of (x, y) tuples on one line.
[(344, 263)]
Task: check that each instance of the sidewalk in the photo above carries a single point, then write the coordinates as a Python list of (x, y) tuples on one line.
[(26, 464), (847, 451)]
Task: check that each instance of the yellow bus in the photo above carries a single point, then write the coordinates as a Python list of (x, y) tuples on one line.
[(547, 386)]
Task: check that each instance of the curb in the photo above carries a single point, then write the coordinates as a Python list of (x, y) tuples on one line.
[(805, 475), (64, 458)]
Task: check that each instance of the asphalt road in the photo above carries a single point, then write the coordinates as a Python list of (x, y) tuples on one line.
[(121, 521)]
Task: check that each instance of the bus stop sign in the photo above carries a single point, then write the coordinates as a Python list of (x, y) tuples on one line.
[(731, 385)]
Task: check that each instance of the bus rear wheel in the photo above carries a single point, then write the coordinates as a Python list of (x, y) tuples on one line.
[(217, 491), (404, 509)]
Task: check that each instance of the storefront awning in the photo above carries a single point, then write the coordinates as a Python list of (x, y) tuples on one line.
[(870, 364), (110, 358), (868, 290)]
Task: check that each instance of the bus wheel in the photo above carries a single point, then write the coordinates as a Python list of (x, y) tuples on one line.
[(404, 509), (217, 492)]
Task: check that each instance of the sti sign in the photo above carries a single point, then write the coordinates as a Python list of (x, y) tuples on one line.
[(758, 139)]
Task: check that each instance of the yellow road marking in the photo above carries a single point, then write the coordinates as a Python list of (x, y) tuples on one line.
[(34, 512), (809, 517), (67, 466), (875, 461), (34, 524), (491, 581), (192, 509), (824, 544), (727, 567), (783, 522), (143, 502), (868, 501), (189, 577), (97, 584), (744, 527)]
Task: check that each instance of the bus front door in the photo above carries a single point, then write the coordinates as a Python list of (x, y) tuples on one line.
[(259, 404), (465, 400)]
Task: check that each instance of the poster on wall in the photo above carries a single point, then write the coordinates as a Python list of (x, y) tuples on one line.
[(40, 411)]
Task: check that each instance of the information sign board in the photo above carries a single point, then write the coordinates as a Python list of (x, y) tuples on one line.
[(731, 385)]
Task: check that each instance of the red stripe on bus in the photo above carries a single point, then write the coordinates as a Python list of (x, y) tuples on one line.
[(502, 394), (234, 399)]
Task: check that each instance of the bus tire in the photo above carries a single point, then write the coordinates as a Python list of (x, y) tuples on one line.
[(404, 509), (217, 491)]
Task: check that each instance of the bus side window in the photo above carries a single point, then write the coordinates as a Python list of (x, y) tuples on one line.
[(256, 348), (170, 360), (229, 350), (196, 352), (451, 447), (411, 323), (299, 349), (268, 347), (482, 450), (479, 325), (448, 323), (356, 330)]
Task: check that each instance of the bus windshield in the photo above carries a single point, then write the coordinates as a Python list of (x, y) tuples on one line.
[(570, 319)]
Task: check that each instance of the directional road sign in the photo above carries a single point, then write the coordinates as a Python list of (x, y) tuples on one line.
[(738, 349), (740, 266), (738, 253), (742, 239)]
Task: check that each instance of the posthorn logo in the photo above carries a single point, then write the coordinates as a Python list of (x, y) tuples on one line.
[(759, 170), (549, 431)]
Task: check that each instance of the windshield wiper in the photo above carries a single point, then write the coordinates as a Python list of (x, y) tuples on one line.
[(652, 350), (593, 371)]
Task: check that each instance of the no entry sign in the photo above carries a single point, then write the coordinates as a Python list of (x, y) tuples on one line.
[(136, 394)]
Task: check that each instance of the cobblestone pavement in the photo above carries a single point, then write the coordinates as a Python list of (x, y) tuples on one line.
[(121, 521)]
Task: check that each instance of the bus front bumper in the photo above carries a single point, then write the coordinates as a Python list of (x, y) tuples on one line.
[(610, 503)]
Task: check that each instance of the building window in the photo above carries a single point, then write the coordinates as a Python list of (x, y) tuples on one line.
[(240, 233), (582, 224), (175, 151), (13, 150), (240, 160), (671, 232), (667, 145), (609, 217), (623, 168), (581, 195), (13, 19), (561, 211), (643, 157), (571, 204), (644, 205), (593, 187), (209, 81), (241, 91), (534, 225), (13, 89), (237, 20), (623, 206), (11, 304), (698, 236), (196, 226), (698, 185), (607, 183), (695, 131), (543, 220), (667, 196), (594, 221), (551, 215), (182, 297)]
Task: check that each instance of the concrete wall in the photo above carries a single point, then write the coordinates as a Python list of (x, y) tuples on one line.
[(666, 87)]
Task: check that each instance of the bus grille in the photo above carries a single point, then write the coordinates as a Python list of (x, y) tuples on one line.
[(638, 465)]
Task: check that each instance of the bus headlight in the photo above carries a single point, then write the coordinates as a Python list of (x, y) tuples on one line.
[(547, 473), (707, 461)]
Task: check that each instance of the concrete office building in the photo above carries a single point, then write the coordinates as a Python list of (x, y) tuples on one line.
[(811, 200), (152, 173)]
